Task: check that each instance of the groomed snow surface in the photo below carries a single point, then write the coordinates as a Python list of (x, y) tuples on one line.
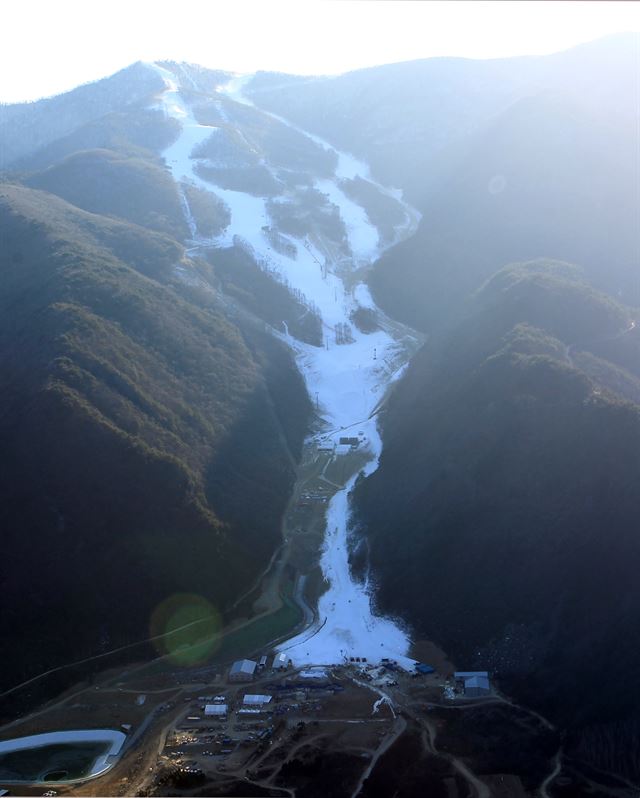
[(347, 626), (348, 381)]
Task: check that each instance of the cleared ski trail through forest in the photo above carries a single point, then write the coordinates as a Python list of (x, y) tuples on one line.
[(348, 379)]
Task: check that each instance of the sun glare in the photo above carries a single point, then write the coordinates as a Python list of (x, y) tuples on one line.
[(75, 40)]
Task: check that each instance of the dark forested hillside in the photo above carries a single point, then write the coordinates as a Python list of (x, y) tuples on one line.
[(545, 179), (130, 418), (503, 516), (29, 127), (136, 131), (267, 297), (110, 183)]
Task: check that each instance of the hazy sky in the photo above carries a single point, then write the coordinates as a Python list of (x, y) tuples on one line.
[(51, 46)]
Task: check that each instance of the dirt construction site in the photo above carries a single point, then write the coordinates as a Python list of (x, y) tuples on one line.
[(349, 730), (174, 748)]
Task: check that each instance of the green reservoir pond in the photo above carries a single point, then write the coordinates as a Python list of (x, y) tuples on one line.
[(55, 762)]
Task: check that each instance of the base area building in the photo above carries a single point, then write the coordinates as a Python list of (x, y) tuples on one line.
[(243, 670), (280, 662), (476, 683)]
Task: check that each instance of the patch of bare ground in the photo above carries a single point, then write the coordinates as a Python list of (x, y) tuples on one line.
[(93, 707), (496, 739), (354, 703), (409, 769), (240, 789), (505, 785), (576, 780), (320, 771), (426, 651)]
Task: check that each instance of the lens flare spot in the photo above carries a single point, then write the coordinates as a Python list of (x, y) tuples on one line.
[(186, 629)]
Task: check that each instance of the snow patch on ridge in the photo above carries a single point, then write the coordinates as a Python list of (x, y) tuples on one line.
[(364, 239)]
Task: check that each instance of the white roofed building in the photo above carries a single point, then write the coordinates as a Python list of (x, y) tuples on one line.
[(256, 700), (243, 670), (313, 673), (215, 710), (281, 661)]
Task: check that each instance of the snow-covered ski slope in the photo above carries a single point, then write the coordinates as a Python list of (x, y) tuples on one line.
[(347, 380)]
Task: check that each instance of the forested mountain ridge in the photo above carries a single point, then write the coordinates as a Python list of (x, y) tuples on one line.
[(27, 127), (545, 179), (130, 421), (502, 521), (108, 182)]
